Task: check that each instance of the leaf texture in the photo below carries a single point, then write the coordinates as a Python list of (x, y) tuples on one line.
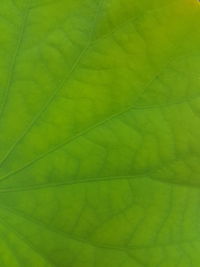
[(99, 133)]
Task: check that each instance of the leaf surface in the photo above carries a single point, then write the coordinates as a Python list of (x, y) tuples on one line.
[(99, 133)]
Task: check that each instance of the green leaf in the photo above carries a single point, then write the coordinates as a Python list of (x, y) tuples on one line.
[(99, 133)]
